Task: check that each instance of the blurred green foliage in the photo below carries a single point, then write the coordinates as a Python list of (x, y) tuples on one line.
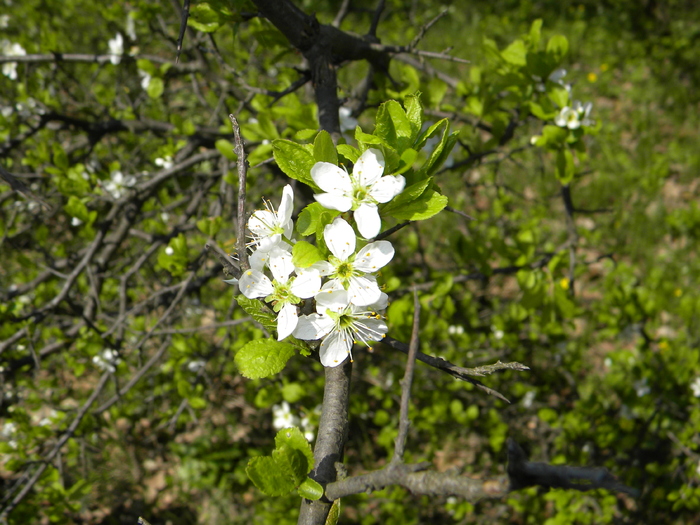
[(613, 352)]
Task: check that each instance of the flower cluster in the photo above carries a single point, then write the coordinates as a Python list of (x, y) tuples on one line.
[(343, 287)]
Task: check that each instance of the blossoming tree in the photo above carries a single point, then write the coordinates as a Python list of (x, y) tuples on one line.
[(133, 198)]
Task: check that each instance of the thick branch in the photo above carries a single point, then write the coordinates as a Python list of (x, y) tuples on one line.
[(330, 440)]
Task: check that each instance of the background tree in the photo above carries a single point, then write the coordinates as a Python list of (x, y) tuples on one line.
[(120, 393)]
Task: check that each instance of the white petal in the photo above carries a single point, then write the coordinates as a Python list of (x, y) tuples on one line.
[(322, 267), (307, 284), (335, 349), (363, 291), (261, 222), (368, 221), (382, 303), (334, 201), (387, 188), (286, 321), (331, 179), (258, 259), (253, 284), (284, 212), (280, 264), (313, 326), (375, 329), (232, 282), (369, 167), (374, 256), (340, 239), (331, 298)]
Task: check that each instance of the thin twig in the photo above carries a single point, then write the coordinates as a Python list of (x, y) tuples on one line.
[(242, 166), (184, 15), (406, 383), (461, 373)]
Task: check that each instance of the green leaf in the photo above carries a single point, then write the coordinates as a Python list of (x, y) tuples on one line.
[(535, 33), (257, 311), (155, 88), (324, 149), (305, 254), (76, 208), (334, 513), (291, 461), (565, 166), (557, 47), (414, 113), (293, 438), (350, 153), (559, 95), (263, 358), (515, 53), (226, 148), (265, 474), (294, 160), (313, 217), (429, 204), (310, 489), (210, 226), (393, 126), (408, 195)]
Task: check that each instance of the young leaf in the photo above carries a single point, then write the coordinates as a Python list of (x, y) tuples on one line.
[(414, 113), (310, 489), (263, 358), (291, 462), (294, 160), (292, 437), (265, 474), (557, 47), (257, 311), (324, 149), (305, 254), (515, 53)]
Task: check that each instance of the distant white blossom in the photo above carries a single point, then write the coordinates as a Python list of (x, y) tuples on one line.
[(282, 416), (107, 360), (116, 49), (118, 184), (130, 27), (574, 117), (695, 387), (347, 121), (165, 163), (7, 48)]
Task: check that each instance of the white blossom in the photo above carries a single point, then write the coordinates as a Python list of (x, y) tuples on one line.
[(107, 360), (283, 292), (348, 271), (347, 121), (282, 416), (118, 184), (361, 191), (695, 387), (269, 226), (7, 48), (574, 117), (341, 323), (116, 49)]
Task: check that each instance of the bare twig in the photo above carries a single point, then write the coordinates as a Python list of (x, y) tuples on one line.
[(463, 374), (242, 166), (184, 15), (406, 383)]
